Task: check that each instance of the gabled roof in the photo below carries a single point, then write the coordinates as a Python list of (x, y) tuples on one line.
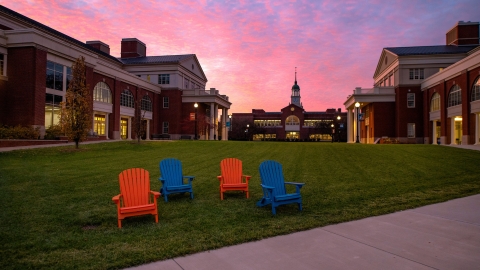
[(53, 32), (161, 59), (425, 50)]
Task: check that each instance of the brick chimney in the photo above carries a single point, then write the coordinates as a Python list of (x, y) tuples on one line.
[(464, 33), (132, 47), (97, 44)]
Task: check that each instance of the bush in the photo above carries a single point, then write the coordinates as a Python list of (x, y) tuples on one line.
[(19, 132), (53, 132)]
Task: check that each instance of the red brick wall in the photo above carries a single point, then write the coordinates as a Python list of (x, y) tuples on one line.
[(382, 119), (405, 115), (468, 34), (132, 48), (177, 114), (23, 98)]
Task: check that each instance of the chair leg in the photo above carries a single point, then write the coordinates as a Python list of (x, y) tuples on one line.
[(156, 218), (165, 197), (191, 195), (300, 206), (248, 194), (274, 210), (221, 196), (119, 223)]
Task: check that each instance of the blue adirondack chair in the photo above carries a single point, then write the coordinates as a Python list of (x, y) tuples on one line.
[(273, 185), (172, 178)]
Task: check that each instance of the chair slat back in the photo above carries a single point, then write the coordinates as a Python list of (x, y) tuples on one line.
[(271, 174), (134, 186), (231, 169), (171, 170)]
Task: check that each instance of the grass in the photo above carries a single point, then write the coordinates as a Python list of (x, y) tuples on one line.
[(57, 211)]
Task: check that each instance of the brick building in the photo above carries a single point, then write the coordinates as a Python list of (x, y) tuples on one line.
[(424, 94), (292, 123), (35, 68)]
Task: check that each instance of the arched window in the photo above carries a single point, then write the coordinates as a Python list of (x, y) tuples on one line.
[(476, 90), (126, 99), (435, 103), (455, 96), (146, 103), (102, 93), (292, 120)]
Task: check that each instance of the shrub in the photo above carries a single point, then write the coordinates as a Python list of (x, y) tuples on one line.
[(19, 132), (53, 132)]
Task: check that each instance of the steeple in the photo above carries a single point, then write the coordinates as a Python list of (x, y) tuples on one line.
[(295, 98)]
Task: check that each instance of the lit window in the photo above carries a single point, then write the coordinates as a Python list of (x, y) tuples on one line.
[(410, 100), (126, 99), (146, 104), (455, 96), (411, 130), (165, 127), (476, 89), (164, 79), (99, 124), (435, 103), (102, 93), (54, 76), (166, 102), (416, 74), (292, 120), (52, 109)]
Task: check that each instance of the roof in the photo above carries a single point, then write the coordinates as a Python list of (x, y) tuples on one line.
[(426, 50), (53, 32), (162, 59)]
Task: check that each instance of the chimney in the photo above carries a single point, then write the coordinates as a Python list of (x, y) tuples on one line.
[(97, 44), (132, 47), (464, 33)]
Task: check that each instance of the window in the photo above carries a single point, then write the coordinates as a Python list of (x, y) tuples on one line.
[(126, 99), (69, 76), (54, 76), (146, 104), (411, 130), (52, 109), (102, 93), (435, 103), (410, 100), (166, 102), (2, 61), (187, 83), (164, 79), (455, 96), (390, 80), (476, 89), (193, 85), (292, 120), (416, 74), (99, 124), (165, 127)]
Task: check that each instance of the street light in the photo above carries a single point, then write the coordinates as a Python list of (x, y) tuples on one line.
[(338, 128), (230, 117), (333, 130), (357, 106), (196, 107), (246, 131)]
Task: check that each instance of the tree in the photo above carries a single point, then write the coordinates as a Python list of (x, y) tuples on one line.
[(75, 117), (137, 123)]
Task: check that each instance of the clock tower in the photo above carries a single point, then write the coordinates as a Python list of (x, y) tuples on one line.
[(295, 98)]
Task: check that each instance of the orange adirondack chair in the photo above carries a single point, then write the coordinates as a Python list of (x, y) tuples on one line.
[(135, 195), (232, 177)]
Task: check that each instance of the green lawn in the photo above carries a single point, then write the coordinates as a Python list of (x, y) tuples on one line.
[(56, 208)]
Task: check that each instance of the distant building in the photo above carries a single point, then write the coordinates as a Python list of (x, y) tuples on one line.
[(35, 69), (291, 123), (424, 94)]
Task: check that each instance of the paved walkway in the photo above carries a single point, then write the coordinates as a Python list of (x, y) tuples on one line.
[(439, 236)]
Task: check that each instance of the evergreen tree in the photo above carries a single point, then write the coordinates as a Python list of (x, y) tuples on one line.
[(76, 118)]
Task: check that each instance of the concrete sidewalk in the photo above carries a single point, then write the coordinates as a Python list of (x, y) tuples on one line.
[(439, 236)]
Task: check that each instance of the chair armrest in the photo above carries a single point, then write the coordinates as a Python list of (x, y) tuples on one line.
[(267, 187), (161, 180), (189, 177), (247, 177), (116, 199), (298, 186), (155, 194)]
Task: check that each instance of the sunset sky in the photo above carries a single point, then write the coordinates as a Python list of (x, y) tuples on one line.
[(249, 49)]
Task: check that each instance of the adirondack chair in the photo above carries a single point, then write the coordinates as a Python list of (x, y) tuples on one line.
[(232, 177), (135, 198), (273, 185), (172, 178)]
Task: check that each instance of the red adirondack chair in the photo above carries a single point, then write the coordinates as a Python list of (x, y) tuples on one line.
[(135, 198), (232, 177)]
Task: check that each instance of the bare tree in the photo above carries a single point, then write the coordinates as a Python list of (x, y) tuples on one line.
[(137, 123), (75, 117)]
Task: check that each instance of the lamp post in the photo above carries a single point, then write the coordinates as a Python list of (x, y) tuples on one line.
[(246, 131), (230, 120), (338, 128), (357, 106), (196, 107), (333, 130)]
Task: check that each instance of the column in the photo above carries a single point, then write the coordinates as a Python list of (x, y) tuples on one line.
[(477, 127), (215, 120), (106, 125), (224, 124), (349, 127), (129, 128), (147, 132), (434, 133), (212, 121)]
